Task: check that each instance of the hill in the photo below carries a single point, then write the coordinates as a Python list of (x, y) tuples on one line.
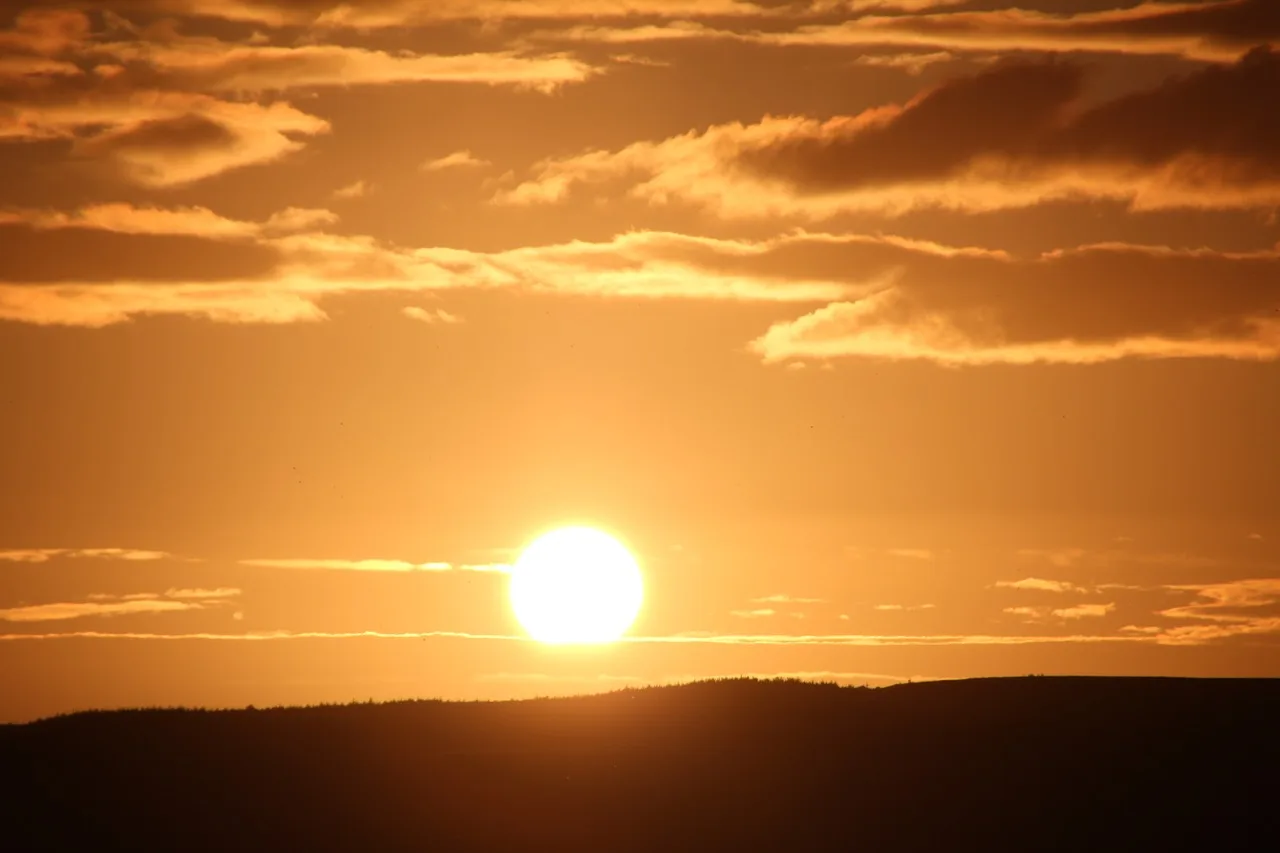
[(1025, 764)]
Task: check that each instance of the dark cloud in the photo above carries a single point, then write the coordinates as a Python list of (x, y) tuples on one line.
[(1020, 133), (1215, 30), (1217, 126), (84, 255), (1002, 112), (172, 109), (1081, 306)]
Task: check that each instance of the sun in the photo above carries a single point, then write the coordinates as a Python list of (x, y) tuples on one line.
[(576, 585)]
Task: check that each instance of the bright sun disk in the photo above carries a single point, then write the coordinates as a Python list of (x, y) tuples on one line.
[(576, 585)]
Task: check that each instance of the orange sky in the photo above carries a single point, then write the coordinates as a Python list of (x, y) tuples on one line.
[(897, 338)]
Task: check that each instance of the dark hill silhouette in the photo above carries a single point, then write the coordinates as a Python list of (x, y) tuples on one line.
[(1024, 764)]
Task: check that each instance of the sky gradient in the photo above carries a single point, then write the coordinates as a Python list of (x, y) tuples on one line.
[(898, 339)]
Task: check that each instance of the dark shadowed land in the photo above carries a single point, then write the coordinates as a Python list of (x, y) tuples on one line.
[(1023, 764)]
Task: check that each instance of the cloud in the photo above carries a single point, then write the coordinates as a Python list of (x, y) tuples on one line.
[(1019, 133), (457, 160), (202, 594), (674, 639), (882, 640), (912, 63), (76, 610), (902, 607), (1231, 609), (375, 14), (786, 599), (754, 614), (210, 65), (1042, 585), (45, 32), (263, 636), (1080, 306), (102, 604), (886, 297), (1213, 31), (190, 221), (372, 565), (295, 272), (43, 555), (1031, 613), (1082, 611), (432, 316), (359, 189), (171, 139), (166, 110)]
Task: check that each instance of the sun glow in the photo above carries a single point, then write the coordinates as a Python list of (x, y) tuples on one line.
[(576, 585)]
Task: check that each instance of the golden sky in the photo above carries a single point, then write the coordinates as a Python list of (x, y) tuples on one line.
[(896, 338)]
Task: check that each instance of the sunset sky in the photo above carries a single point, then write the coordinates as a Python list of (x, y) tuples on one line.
[(897, 339)]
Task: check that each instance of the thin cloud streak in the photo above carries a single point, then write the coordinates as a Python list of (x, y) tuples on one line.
[(1041, 584), (1173, 637), (463, 159), (1219, 31), (104, 604), (376, 14), (44, 555), (374, 565), (782, 598)]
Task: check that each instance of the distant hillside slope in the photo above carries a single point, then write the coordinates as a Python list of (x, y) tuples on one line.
[(1026, 764)]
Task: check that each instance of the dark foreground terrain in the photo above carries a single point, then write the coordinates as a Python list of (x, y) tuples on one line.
[(1025, 764)]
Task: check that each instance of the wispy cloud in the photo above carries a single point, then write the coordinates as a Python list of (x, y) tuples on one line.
[(264, 636), (903, 607), (357, 189), (43, 555), (463, 159), (1079, 611), (374, 565), (102, 604), (1209, 31), (202, 594), (912, 63), (880, 640), (376, 14), (1083, 611), (757, 613), (1041, 584), (1232, 608), (782, 598), (674, 639), (1213, 31), (432, 316)]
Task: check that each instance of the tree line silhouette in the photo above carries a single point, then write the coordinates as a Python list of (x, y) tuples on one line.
[(1018, 764)]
